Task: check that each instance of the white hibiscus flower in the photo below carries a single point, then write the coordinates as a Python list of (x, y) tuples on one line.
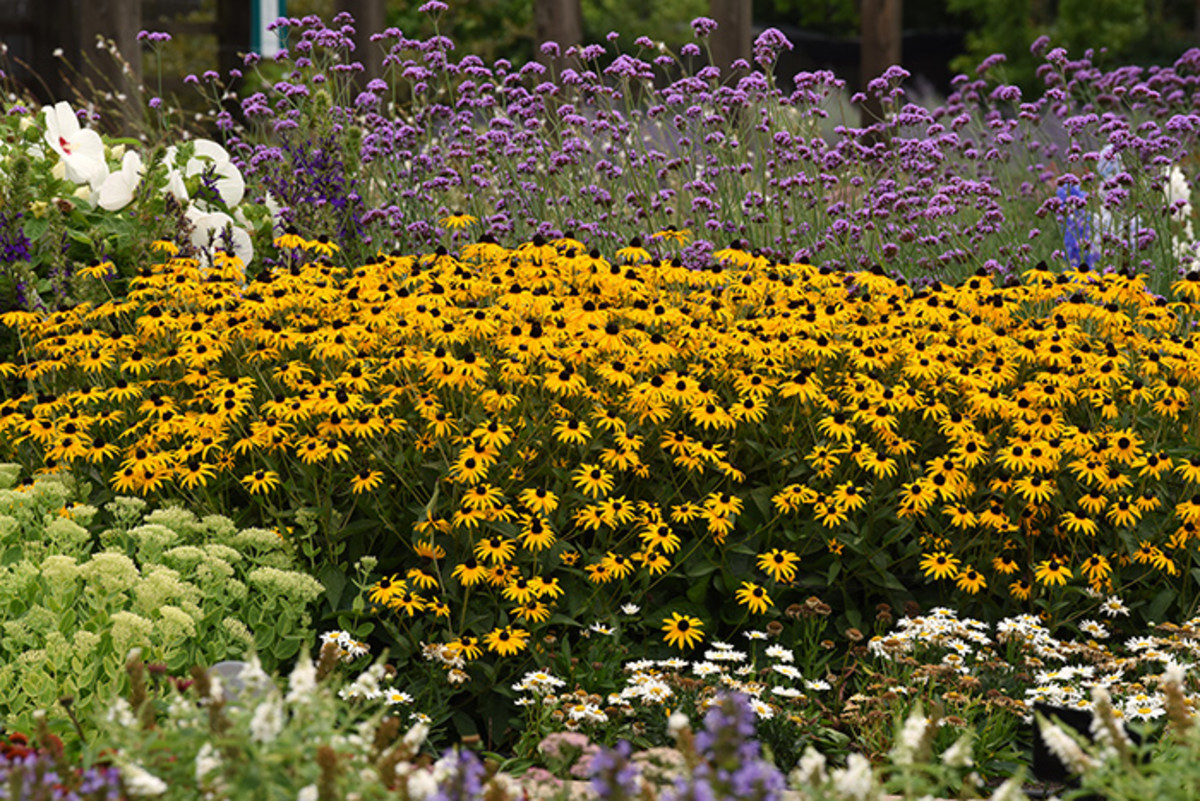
[(80, 149)]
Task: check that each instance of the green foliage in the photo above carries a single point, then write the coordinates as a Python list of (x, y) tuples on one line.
[(830, 17), (664, 21), (1121, 29), (80, 587)]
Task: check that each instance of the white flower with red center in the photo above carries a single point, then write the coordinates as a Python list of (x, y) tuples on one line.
[(80, 149)]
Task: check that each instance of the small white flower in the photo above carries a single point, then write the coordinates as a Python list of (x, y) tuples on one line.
[(268, 720), (208, 759), (959, 754), (630, 609), (676, 723), (762, 710), (1063, 746), (139, 781), (1113, 606), (780, 653), (856, 781), (308, 793), (1009, 791), (910, 738), (586, 713), (787, 670), (421, 784), (810, 770), (417, 734), (303, 681)]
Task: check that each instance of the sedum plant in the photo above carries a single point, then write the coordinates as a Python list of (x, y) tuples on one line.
[(183, 589)]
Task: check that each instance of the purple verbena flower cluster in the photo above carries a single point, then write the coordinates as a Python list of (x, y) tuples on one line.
[(609, 145)]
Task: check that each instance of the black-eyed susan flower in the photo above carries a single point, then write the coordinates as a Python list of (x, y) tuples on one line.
[(493, 434), (420, 579), (506, 641), (572, 432), (194, 473), (1052, 572), (469, 572), (1189, 469), (261, 481), (939, 565), (532, 610), (1096, 568), (592, 480), (457, 220), (970, 580), (536, 534), (365, 480), (753, 597), (538, 500), (495, 549), (322, 246), (634, 252), (1124, 512), (429, 550), (682, 631), (384, 590), (659, 536), (672, 234), (723, 504), (519, 590), (483, 496), (1078, 524), (468, 646), (407, 602), (618, 565), (98, 269), (656, 562), (290, 239), (1005, 564), (780, 564), (1020, 589)]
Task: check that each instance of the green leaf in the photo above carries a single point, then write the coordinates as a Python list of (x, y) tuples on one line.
[(35, 228), (78, 236), (334, 580), (286, 648), (1158, 607), (264, 638)]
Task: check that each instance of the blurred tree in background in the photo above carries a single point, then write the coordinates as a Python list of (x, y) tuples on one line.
[(1119, 31)]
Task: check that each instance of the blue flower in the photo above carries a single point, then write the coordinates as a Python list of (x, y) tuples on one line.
[(1077, 230)]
